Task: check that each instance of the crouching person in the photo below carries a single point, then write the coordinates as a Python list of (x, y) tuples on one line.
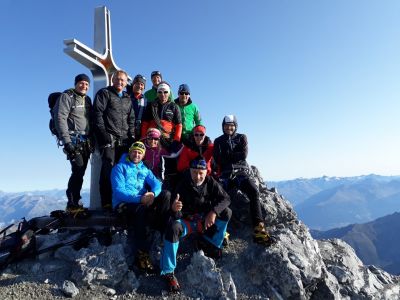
[(230, 153), (138, 197), (200, 205)]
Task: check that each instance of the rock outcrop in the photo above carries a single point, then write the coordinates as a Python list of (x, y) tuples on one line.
[(295, 267)]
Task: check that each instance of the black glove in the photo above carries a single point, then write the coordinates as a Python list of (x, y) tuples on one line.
[(69, 148), (175, 146)]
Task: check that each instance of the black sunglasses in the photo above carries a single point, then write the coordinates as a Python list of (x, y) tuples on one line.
[(198, 134), (183, 93), (161, 92)]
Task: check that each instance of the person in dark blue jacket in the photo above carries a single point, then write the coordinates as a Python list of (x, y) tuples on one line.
[(138, 197)]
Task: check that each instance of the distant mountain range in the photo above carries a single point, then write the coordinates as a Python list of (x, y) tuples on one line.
[(329, 202), (375, 242), (321, 203), (14, 206)]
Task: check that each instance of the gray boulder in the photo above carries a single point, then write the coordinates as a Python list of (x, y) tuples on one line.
[(69, 289), (295, 267)]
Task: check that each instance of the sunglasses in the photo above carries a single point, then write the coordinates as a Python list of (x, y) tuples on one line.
[(183, 93), (152, 139), (198, 134), (163, 92)]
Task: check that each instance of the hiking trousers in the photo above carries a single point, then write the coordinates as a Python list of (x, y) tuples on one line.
[(244, 183), (140, 217), (178, 229), (110, 156), (78, 167)]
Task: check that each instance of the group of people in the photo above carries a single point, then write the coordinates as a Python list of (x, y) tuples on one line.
[(159, 168)]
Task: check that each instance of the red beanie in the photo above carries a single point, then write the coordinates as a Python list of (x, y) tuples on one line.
[(199, 128)]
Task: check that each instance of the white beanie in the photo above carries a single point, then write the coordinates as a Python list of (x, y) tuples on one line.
[(163, 87)]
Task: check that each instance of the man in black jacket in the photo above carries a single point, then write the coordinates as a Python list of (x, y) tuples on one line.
[(201, 205), (115, 129), (73, 116), (230, 153)]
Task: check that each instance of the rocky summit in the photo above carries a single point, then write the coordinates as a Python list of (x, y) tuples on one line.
[(295, 267)]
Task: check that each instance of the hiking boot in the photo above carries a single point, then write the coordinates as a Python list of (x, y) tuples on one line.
[(107, 207), (77, 211), (225, 242), (261, 236), (143, 262), (172, 282), (209, 249)]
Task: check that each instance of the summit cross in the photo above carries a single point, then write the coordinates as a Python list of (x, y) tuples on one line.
[(101, 63)]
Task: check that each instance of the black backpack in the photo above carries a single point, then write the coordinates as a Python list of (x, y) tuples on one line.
[(18, 244), (52, 100)]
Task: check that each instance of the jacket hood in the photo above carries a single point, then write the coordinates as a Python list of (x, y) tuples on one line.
[(192, 143), (230, 119), (188, 103)]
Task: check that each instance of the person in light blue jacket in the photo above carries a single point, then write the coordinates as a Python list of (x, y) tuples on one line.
[(137, 197)]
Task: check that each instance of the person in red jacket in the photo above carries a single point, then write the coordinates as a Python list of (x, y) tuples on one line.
[(198, 144)]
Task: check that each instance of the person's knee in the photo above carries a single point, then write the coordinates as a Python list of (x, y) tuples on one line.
[(226, 214), (165, 196), (173, 231)]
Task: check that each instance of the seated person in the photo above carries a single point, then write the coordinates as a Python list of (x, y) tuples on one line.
[(137, 195), (200, 205), (230, 153), (154, 152), (197, 144)]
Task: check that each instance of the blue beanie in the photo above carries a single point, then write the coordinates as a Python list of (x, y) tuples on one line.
[(198, 163), (184, 88)]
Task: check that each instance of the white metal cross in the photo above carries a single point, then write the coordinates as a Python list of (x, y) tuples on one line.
[(101, 63)]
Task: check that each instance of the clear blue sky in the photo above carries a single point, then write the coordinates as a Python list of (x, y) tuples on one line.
[(314, 84)]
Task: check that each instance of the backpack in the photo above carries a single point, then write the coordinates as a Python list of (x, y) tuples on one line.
[(18, 244), (52, 100)]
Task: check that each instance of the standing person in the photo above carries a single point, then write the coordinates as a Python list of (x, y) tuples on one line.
[(197, 144), (164, 115), (154, 152), (115, 129), (138, 197), (73, 113), (189, 112), (151, 94), (200, 205), (230, 153), (139, 102)]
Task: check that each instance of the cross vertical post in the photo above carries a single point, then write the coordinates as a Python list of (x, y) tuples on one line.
[(101, 63)]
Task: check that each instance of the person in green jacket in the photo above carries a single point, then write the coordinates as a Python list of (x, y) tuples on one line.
[(151, 94), (189, 112)]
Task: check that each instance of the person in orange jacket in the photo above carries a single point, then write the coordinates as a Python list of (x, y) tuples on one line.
[(164, 115)]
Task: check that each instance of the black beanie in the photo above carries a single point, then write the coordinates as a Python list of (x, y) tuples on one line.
[(82, 77), (139, 78)]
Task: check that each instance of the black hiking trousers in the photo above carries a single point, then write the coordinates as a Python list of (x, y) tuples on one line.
[(78, 167), (140, 217), (110, 156), (244, 183)]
